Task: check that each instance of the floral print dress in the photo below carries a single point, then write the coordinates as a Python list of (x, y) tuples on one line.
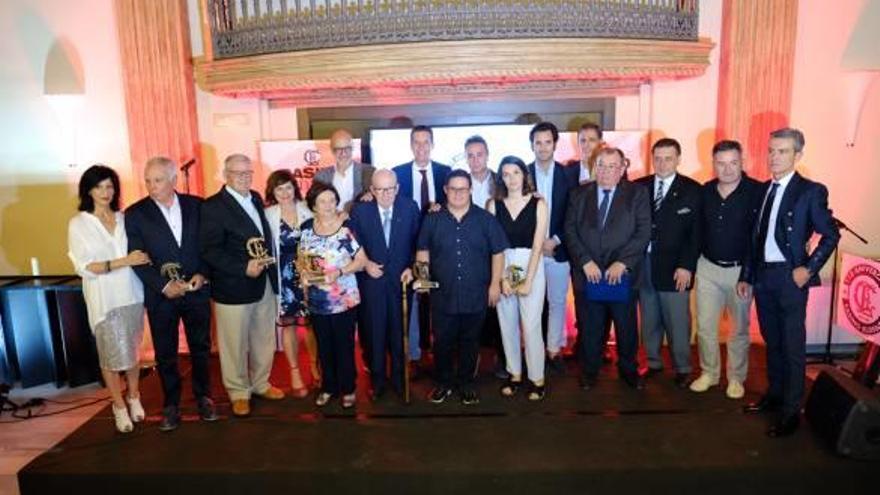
[(333, 251), (292, 299)]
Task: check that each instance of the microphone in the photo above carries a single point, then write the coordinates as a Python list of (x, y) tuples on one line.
[(186, 166)]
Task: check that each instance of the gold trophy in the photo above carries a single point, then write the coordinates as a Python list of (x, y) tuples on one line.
[(310, 266), (171, 271), (422, 275), (256, 249), (515, 276)]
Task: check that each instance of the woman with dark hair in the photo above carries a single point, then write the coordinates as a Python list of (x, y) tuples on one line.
[(285, 212), (329, 256), (523, 217), (98, 248)]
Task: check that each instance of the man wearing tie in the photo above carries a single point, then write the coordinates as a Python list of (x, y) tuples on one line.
[(386, 228), (232, 228), (607, 228), (794, 208), (421, 180), (552, 181), (165, 225), (664, 295)]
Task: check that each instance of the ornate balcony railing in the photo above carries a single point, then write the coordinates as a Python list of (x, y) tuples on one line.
[(255, 27)]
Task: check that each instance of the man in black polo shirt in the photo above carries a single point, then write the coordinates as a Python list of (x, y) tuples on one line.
[(459, 242), (730, 205)]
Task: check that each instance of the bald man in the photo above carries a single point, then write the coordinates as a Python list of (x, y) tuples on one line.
[(350, 178)]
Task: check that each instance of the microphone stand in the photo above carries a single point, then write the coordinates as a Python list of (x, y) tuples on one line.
[(828, 359), (185, 169)]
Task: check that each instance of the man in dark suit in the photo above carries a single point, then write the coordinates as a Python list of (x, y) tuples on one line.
[(386, 228), (608, 226), (794, 208), (165, 225), (553, 181), (421, 180), (233, 235), (350, 178), (667, 278)]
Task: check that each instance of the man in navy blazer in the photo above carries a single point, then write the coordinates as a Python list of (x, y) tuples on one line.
[(236, 244), (165, 225), (553, 181), (387, 229), (421, 180), (782, 271)]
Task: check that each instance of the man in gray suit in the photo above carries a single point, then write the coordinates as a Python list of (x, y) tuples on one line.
[(607, 228), (350, 178)]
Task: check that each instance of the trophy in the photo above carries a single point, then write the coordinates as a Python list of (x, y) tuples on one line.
[(515, 276), (422, 276), (310, 266), (171, 271), (256, 249)]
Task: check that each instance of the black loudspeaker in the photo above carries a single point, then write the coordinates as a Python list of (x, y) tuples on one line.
[(846, 414)]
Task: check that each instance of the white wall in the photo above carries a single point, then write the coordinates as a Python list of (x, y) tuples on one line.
[(37, 185)]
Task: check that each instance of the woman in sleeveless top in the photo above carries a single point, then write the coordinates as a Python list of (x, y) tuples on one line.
[(523, 216)]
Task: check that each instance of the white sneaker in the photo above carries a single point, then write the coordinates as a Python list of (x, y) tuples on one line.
[(137, 410), (735, 389), (123, 422), (703, 383)]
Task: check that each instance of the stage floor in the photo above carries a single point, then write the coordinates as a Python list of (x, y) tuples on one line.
[(611, 439)]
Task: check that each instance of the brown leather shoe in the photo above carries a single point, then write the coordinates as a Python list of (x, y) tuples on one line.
[(272, 393), (241, 408)]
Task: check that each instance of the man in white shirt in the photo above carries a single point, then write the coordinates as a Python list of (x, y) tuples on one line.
[(589, 139), (482, 178), (350, 178)]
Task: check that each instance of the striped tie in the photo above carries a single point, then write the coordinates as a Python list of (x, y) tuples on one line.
[(659, 197)]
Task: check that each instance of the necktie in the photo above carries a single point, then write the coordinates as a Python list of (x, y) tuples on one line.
[(766, 210), (603, 207), (386, 226), (425, 197), (658, 198)]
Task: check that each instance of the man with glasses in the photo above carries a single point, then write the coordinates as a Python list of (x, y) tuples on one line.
[(465, 248), (232, 235), (386, 229), (350, 178)]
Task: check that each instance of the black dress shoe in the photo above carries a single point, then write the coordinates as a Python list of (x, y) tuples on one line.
[(207, 411), (588, 382), (784, 427), (682, 380), (764, 404), (377, 394), (633, 380), (652, 372), (556, 365), (170, 418)]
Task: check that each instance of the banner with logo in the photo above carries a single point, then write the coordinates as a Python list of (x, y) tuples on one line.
[(858, 300), (303, 158)]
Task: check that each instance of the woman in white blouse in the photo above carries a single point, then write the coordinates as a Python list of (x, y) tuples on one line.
[(285, 212), (98, 248)]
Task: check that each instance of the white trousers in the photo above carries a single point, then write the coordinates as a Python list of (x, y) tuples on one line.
[(520, 320), (558, 277), (716, 290), (246, 340)]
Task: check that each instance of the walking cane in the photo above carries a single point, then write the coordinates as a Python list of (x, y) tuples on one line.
[(405, 345)]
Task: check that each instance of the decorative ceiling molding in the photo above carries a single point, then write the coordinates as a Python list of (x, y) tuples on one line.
[(454, 70)]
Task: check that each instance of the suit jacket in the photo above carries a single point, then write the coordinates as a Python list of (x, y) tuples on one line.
[(224, 232), (363, 177), (564, 179), (675, 230), (803, 211), (405, 180), (366, 223), (625, 235), (149, 232)]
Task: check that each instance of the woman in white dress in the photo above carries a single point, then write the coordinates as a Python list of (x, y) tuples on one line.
[(98, 248)]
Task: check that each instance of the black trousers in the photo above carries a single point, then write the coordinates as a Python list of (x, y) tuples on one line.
[(164, 318), (335, 334), (782, 311), (595, 315), (580, 300), (461, 332)]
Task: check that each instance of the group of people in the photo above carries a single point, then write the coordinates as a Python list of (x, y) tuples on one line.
[(340, 261)]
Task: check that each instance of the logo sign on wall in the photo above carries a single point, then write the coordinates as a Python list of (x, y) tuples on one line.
[(303, 158), (858, 304)]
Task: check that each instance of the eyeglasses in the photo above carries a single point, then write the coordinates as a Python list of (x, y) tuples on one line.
[(458, 190), (246, 173), (384, 190), (342, 149)]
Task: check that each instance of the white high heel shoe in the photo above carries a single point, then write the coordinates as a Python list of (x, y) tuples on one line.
[(136, 409), (123, 422)]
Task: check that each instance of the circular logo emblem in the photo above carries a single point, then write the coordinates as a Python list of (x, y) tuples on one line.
[(861, 298), (312, 157)]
